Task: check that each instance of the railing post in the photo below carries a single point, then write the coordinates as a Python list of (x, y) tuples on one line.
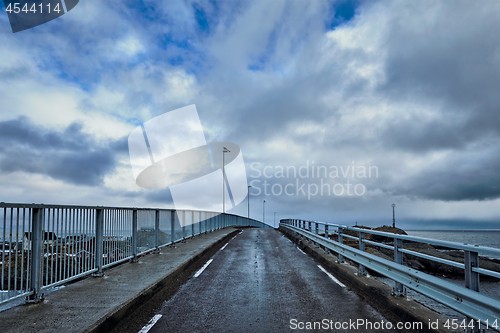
[(172, 228), (361, 268), (471, 259), (99, 241), (341, 241), (36, 282), (134, 236), (326, 236), (192, 224), (398, 259), (157, 231)]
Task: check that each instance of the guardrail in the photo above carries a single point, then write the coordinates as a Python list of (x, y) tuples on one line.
[(477, 307), (44, 246)]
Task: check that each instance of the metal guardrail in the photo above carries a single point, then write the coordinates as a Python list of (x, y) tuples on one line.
[(468, 301), (44, 246)]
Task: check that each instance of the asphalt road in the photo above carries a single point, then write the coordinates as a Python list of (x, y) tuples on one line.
[(261, 282)]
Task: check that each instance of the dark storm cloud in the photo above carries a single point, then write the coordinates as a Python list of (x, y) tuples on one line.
[(452, 62), (471, 176), (69, 155), (419, 135)]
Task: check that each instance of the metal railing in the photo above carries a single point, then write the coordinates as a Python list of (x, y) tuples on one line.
[(44, 246), (468, 301)]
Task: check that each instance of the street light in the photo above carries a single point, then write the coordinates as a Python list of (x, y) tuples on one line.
[(224, 151), (264, 211), (274, 222), (249, 201), (393, 217)]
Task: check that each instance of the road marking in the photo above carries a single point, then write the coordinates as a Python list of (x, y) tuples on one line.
[(222, 248), (151, 323), (332, 277), (203, 268), (301, 250)]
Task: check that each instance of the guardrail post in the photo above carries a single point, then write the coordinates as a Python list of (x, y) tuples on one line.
[(361, 268), (157, 231), (471, 259), (134, 236), (341, 241), (172, 228), (36, 282), (310, 230), (99, 241), (326, 236), (317, 233), (398, 259)]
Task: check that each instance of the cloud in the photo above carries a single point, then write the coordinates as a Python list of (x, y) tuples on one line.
[(69, 155), (409, 87), (459, 176)]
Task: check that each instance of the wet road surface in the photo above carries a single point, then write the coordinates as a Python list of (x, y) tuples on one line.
[(259, 282)]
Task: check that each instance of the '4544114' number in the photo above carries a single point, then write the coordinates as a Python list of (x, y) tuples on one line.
[(16, 8)]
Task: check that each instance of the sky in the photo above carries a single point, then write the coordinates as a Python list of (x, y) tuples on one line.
[(384, 101)]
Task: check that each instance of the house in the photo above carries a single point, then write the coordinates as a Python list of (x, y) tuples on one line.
[(49, 239)]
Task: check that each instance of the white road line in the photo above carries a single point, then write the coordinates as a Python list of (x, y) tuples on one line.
[(332, 277), (203, 268), (301, 250), (222, 248), (151, 323)]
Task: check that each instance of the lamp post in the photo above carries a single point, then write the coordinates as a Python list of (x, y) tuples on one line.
[(224, 151), (249, 201), (274, 222), (264, 211), (393, 217)]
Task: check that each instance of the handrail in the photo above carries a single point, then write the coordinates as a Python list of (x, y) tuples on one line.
[(467, 301), (43, 246)]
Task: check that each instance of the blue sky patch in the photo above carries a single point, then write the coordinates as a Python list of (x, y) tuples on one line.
[(342, 11)]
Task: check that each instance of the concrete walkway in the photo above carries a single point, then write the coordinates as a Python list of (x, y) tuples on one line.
[(95, 303)]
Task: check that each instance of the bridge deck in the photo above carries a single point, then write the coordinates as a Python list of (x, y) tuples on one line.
[(258, 283)]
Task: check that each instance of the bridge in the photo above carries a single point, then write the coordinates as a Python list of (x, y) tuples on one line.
[(95, 269)]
